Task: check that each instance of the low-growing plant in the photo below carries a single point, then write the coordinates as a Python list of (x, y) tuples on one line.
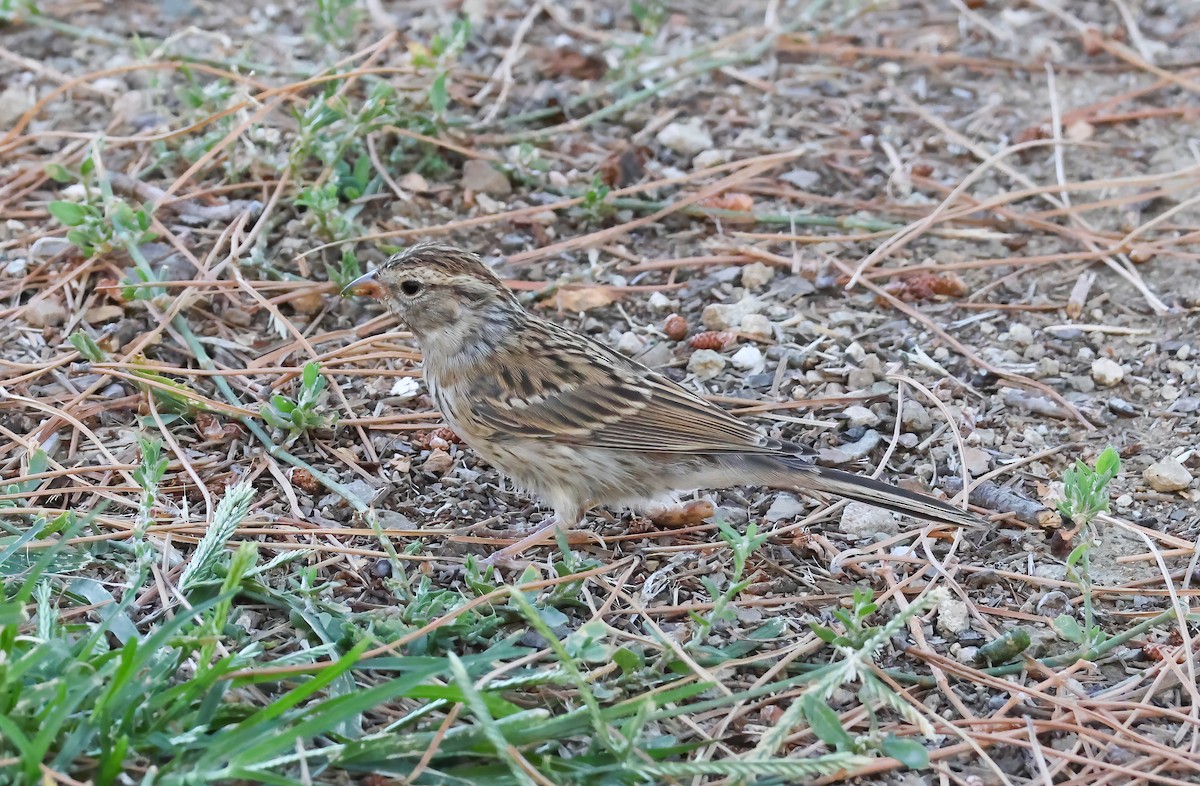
[(1085, 490), (305, 412)]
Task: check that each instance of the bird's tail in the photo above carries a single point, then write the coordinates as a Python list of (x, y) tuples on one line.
[(785, 472)]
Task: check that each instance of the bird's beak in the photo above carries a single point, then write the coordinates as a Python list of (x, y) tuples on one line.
[(366, 285)]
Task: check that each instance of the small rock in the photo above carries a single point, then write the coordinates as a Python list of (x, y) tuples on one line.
[(978, 461), (859, 379), (723, 316), (1107, 372), (414, 182), (1167, 474), (706, 364), (801, 178), (849, 452), (757, 275), (1020, 334), (953, 617), (757, 326), (43, 313), (1054, 603), (16, 267), (860, 520), (103, 314), (784, 507), (707, 158), (405, 389), (14, 102), (1124, 501), (659, 302), (748, 358), (858, 416), (361, 489), (630, 343), (438, 462), (687, 138), (855, 352), (483, 178), (915, 417)]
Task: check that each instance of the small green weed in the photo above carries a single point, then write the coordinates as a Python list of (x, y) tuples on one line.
[(443, 50), (102, 222), (595, 204), (1085, 490), (304, 413), (333, 21)]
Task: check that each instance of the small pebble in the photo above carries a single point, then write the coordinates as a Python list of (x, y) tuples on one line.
[(44, 313), (915, 417), (857, 416), (978, 461), (849, 452), (860, 520), (706, 364), (1054, 603), (687, 138), (953, 617), (1124, 501), (659, 302), (630, 343), (1167, 474), (757, 275), (723, 316), (748, 358), (1020, 334), (1107, 372), (757, 326), (706, 158), (382, 568), (785, 507), (439, 462), (859, 379)]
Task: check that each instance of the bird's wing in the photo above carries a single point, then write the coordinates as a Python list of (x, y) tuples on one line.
[(579, 392)]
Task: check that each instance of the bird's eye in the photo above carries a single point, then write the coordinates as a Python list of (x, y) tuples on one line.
[(410, 287)]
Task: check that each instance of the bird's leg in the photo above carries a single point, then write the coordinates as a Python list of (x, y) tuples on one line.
[(539, 536)]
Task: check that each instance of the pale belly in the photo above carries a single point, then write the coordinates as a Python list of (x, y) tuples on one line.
[(570, 478)]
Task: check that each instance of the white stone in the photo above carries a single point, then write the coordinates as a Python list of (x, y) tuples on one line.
[(1167, 474), (406, 388), (858, 416), (630, 343), (1107, 372), (756, 275), (860, 520), (660, 302), (757, 326), (706, 364), (784, 507), (1020, 334), (953, 617), (687, 138), (723, 316), (707, 158), (748, 358)]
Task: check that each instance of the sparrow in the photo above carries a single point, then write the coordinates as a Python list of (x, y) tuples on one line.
[(573, 421)]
